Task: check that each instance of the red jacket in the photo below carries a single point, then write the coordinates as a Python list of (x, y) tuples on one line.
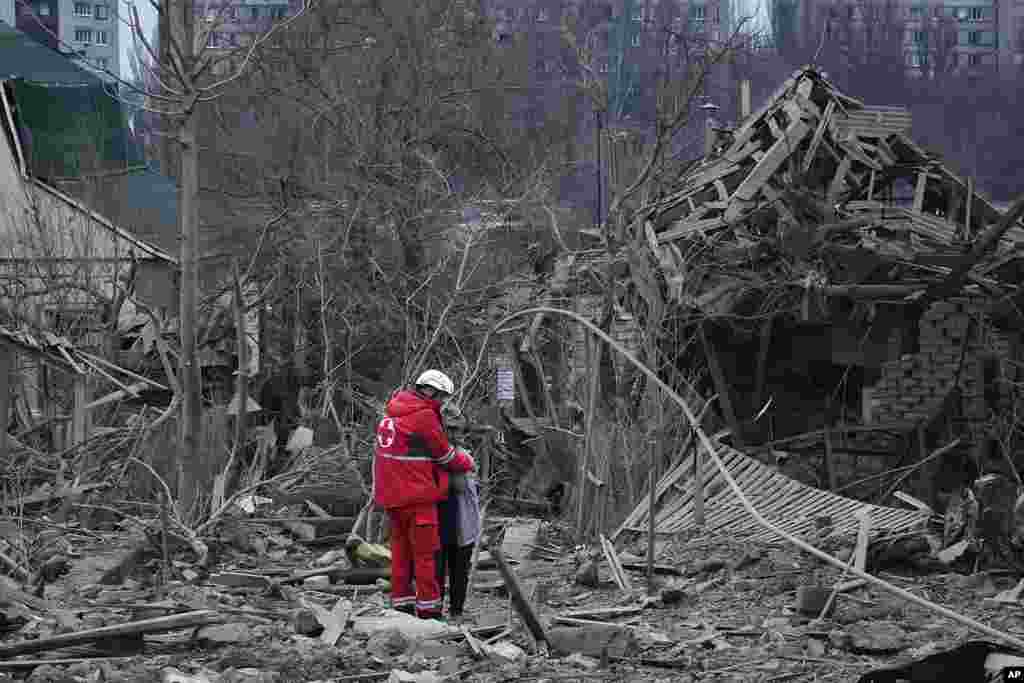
[(413, 456)]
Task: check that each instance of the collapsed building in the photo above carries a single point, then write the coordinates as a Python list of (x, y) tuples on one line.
[(807, 261)]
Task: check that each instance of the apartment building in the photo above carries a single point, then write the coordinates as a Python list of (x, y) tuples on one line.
[(84, 30), (7, 14), (972, 37)]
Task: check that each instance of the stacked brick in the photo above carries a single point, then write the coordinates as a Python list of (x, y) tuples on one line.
[(913, 386)]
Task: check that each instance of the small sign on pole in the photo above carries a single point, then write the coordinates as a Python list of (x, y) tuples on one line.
[(506, 384)]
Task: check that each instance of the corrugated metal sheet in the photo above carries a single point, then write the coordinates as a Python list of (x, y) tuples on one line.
[(875, 121)]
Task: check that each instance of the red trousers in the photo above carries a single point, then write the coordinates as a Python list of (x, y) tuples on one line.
[(414, 541)]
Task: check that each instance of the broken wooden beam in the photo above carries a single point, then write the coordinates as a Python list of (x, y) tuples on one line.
[(515, 590), (356, 576), (173, 622)]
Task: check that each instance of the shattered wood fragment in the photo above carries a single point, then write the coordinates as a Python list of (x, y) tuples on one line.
[(172, 622), (604, 613), (771, 161), (62, 661), (335, 621), (525, 610), (342, 574), (618, 574)]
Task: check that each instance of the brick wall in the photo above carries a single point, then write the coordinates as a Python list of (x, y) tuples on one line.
[(912, 386)]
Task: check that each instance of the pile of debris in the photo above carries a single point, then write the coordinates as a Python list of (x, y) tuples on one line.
[(818, 195)]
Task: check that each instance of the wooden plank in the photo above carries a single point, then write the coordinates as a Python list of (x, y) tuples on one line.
[(838, 179), (687, 229), (746, 131), (172, 622), (819, 132), (519, 601), (723, 194), (922, 182), (852, 148), (771, 161)]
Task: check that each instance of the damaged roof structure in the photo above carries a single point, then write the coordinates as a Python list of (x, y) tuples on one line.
[(811, 254), (815, 167)]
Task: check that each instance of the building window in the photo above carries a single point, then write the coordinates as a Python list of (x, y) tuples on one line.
[(101, 37), (960, 13), (977, 14), (635, 41), (279, 11), (638, 14), (918, 37), (83, 35), (510, 13), (917, 12), (214, 39), (973, 60), (103, 62), (974, 38), (43, 10), (603, 66), (698, 12), (102, 12), (254, 12), (542, 14), (83, 9)]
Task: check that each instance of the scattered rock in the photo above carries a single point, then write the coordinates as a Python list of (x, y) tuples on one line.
[(749, 558), (409, 625), (592, 640), (389, 643), (708, 566), (47, 673), (306, 623), (448, 667), (225, 634), (878, 638), (587, 574), (504, 652), (816, 648), (582, 661), (811, 600), (672, 595)]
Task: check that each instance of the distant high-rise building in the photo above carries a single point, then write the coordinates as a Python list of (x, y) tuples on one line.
[(84, 30), (233, 24), (933, 36), (7, 13)]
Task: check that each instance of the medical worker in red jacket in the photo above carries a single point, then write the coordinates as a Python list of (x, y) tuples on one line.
[(410, 467)]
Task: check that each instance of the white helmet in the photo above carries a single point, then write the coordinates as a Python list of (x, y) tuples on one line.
[(438, 380)]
